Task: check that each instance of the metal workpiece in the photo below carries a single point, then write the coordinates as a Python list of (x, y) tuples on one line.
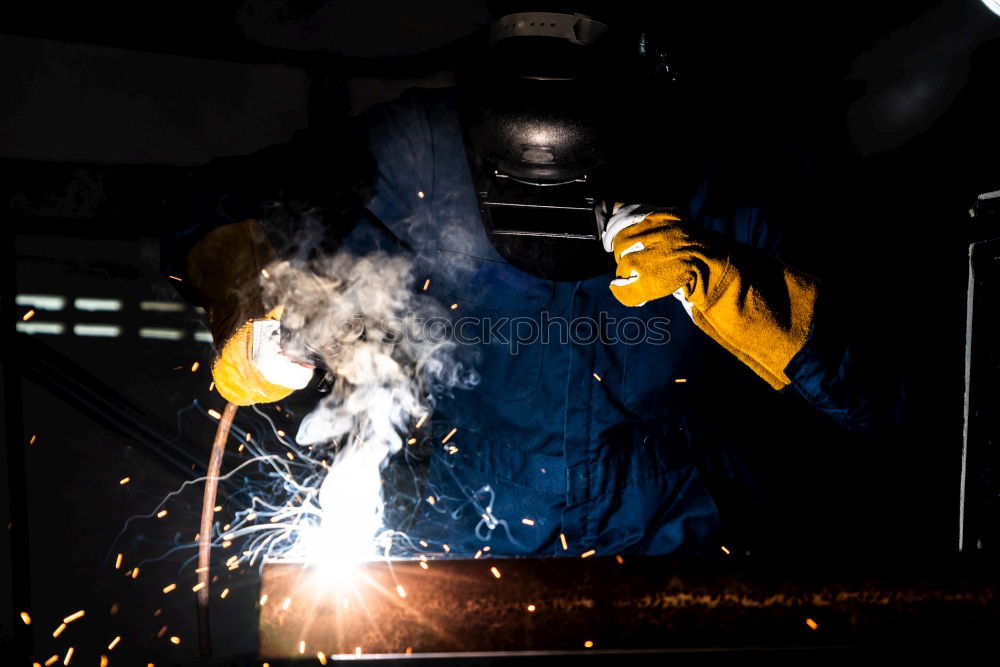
[(614, 604)]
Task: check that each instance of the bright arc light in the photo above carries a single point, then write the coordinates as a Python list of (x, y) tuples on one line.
[(993, 6)]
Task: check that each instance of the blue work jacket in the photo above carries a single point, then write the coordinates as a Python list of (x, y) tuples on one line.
[(606, 433), (600, 440)]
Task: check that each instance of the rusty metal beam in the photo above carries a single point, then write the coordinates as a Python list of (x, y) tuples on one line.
[(641, 603)]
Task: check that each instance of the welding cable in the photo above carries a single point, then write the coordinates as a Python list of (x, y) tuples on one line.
[(207, 515)]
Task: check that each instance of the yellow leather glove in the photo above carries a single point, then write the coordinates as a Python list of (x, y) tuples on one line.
[(758, 308), (225, 269)]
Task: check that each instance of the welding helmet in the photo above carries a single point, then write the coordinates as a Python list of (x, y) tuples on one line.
[(542, 121)]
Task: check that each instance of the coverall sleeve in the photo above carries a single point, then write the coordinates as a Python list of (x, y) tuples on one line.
[(329, 173), (842, 370)]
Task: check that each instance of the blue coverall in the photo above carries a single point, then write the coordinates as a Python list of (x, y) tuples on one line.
[(548, 459)]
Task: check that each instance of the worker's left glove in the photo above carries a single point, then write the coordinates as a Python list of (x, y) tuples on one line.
[(758, 308), (225, 269)]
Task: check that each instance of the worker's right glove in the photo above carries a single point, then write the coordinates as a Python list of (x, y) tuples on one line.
[(225, 269)]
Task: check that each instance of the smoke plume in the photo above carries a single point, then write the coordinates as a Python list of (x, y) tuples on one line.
[(362, 319)]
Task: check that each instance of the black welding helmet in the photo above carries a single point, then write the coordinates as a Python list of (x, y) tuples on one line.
[(542, 119)]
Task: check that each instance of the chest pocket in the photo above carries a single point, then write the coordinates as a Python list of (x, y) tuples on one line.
[(497, 309)]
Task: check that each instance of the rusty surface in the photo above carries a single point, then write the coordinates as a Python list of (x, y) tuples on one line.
[(640, 603)]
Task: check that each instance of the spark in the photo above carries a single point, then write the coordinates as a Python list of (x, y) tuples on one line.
[(197, 587), (194, 367), (357, 651), (124, 480), (211, 387), (217, 508), (485, 549), (420, 193), (251, 516), (427, 283), (33, 438), (321, 657), (478, 554), (58, 631), (528, 522), (446, 548), (454, 306), (587, 554), (26, 618), (409, 650), (240, 448), (263, 599), (114, 609), (287, 603), (281, 434), (264, 273), (411, 441), (72, 617), (227, 544), (161, 514), (620, 560), (679, 380), (168, 588), (531, 607), (401, 590), (135, 573), (51, 661), (424, 544), (175, 640), (448, 437), (162, 631), (118, 562), (114, 643), (215, 414), (423, 564), (104, 661), (28, 315), (453, 449), (588, 644), (224, 593), (175, 278), (724, 549), (495, 571), (302, 646), (289, 455), (597, 377), (420, 422), (562, 538), (430, 499), (69, 655), (812, 624)]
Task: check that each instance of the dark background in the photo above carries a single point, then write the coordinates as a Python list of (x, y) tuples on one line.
[(894, 106)]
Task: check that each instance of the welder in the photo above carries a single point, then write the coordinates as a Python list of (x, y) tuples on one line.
[(510, 196)]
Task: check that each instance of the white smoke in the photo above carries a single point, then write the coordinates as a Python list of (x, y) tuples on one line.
[(364, 320)]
